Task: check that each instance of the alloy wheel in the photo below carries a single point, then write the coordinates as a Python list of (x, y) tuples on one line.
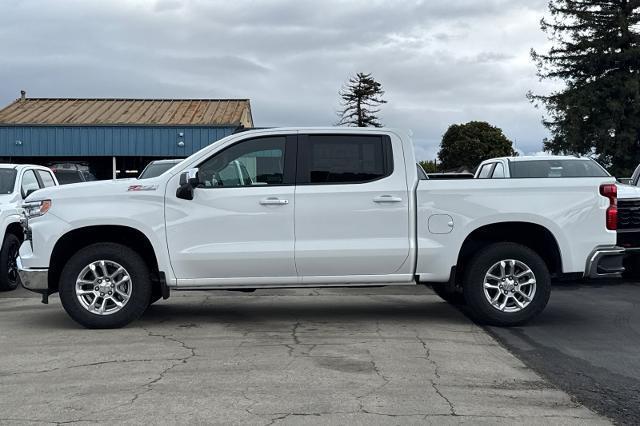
[(103, 287), (509, 285)]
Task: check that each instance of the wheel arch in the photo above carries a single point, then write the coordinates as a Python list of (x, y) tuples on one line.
[(76, 239), (14, 228), (532, 235)]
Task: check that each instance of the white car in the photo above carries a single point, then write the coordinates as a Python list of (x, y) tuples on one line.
[(537, 167), (17, 181), (319, 207)]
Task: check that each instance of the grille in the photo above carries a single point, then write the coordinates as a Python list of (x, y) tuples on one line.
[(628, 214)]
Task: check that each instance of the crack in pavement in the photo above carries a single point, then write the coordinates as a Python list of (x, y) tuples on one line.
[(436, 373), (92, 364), (148, 387)]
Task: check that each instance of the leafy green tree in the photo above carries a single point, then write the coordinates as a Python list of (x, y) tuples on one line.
[(429, 166), (596, 53), (361, 97), (467, 145)]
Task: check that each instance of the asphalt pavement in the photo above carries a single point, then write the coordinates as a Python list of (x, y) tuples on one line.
[(587, 342), (332, 356)]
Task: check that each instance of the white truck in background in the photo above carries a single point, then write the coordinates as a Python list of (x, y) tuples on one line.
[(319, 207), (17, 181)]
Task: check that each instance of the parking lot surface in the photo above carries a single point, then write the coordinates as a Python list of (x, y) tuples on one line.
[(357, 356), (587, 342)]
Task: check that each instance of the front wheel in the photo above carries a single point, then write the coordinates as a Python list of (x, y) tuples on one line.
[(506, 284), (105, 285), (9, 279)]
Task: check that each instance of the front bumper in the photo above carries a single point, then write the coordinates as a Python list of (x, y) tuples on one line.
[(605, 262), (36, 280)]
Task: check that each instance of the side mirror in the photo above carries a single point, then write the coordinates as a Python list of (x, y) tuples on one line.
[(188, 182), (29, 192)]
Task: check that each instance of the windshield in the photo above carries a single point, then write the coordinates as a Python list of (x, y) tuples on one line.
[(556, 169), (155, 169), (7, 180)]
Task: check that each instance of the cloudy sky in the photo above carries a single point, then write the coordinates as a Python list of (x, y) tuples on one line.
[(440, 61)]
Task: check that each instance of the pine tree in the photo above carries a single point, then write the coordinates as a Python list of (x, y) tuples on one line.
[(596, 54), (360, 99)]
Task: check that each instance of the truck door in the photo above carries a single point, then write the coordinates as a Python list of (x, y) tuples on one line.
[(239, 224), (351, 207)]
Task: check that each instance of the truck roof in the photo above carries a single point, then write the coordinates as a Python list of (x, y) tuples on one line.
[(20, 166), (541, 157)]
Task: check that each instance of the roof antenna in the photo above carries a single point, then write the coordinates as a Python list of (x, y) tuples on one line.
[(23, 95)]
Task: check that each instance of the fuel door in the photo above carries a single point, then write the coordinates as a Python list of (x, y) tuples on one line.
[(440, 223)]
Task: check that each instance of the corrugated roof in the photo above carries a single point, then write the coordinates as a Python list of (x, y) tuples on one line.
[(163, 112)]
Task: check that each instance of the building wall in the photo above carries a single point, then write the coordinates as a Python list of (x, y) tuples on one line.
[(100, 141)]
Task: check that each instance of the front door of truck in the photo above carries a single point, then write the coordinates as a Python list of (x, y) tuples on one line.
[(239, 227), (352, 207)]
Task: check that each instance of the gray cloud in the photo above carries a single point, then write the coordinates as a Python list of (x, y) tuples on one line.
[(441, 62)]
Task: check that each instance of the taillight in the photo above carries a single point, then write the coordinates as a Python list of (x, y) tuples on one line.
[(610, 191)]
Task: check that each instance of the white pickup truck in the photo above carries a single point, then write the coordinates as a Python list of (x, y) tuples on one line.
[(319, 207), (17, 181)]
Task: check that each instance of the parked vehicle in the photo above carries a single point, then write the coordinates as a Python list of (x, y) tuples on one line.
[(17, 181), (628, 196), (68, 173), (157, 167), (540, 167), (321, 208)]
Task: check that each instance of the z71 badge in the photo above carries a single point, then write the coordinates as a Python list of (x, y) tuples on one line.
[(142, 188)]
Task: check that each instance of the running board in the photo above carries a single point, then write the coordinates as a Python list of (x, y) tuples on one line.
[(284, 286)]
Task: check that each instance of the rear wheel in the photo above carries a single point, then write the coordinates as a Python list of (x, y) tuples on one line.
[(9, 279), (105, 285), (506, 284)]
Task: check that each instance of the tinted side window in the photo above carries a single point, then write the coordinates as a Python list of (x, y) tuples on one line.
[(46, 178), (498, 172), (29, 182), (343, 159), (561, 168), (253, 162)]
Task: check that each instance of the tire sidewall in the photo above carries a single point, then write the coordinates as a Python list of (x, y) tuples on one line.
[(140, 279), (5, 284), (480, 307)]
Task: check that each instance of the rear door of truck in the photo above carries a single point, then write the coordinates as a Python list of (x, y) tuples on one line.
[(352, 205)]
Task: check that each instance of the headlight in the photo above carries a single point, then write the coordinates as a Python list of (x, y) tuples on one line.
[(36, 208)]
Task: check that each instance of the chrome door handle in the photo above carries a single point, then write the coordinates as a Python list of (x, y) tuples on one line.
[(273, 201), (387, 199)]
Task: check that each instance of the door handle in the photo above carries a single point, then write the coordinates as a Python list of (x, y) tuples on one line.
[(387, 199), (273, 201)]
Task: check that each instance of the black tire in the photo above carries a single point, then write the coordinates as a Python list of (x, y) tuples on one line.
[(481, 308), (9, 278), (139, 277), (154, 298), (448, 295)]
